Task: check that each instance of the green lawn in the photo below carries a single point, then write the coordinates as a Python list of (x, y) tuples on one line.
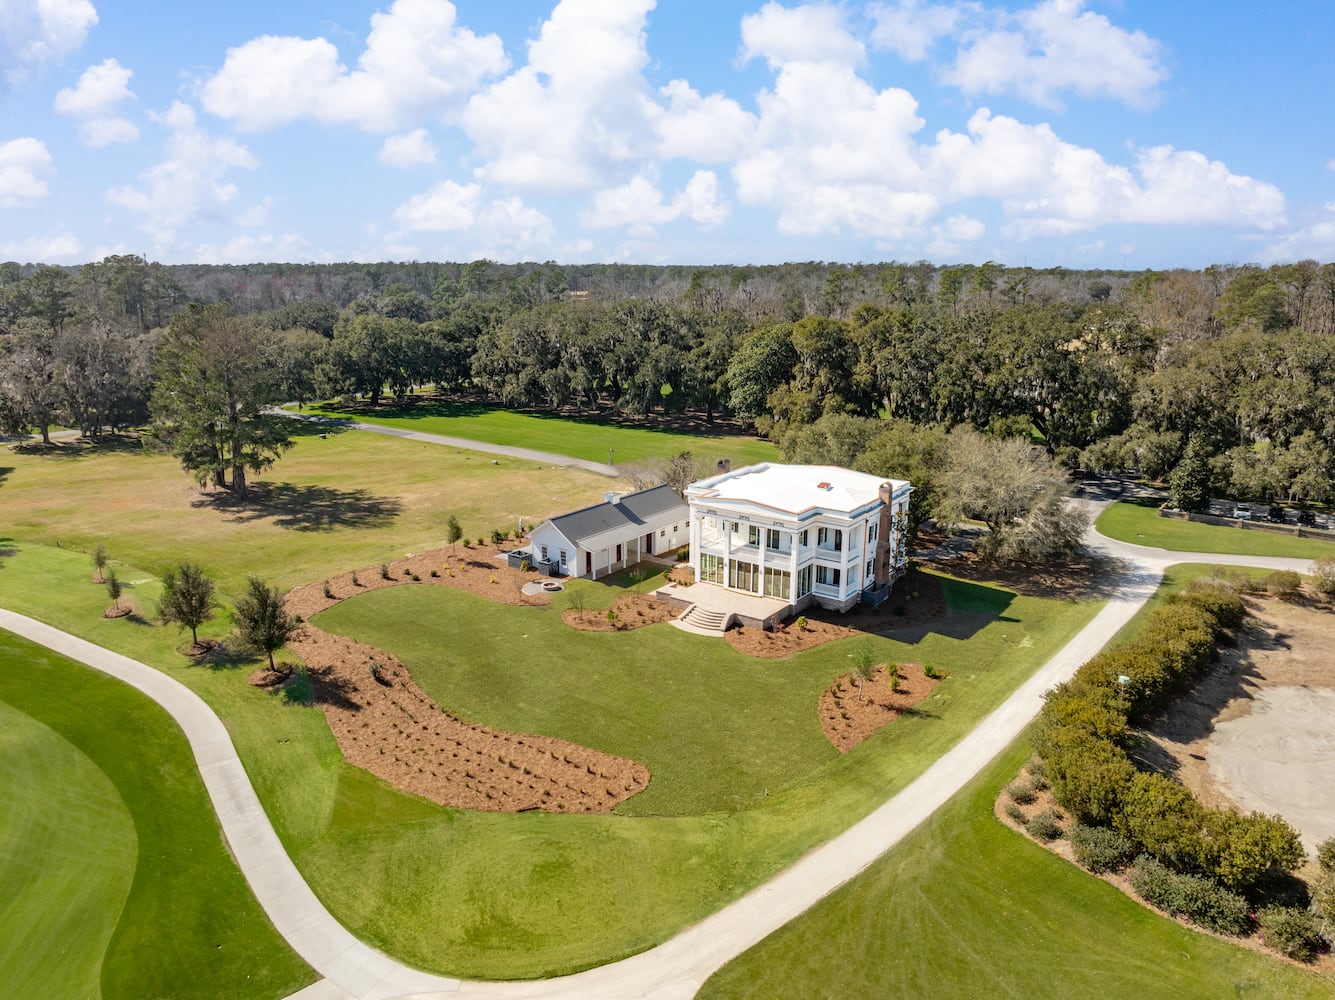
[(117, 881), (1137, 521), (327, 506), (717, 730), (965, 907), (487, 895), (590, 440)]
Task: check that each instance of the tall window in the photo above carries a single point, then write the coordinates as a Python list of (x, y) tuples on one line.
[(777, 583), (873, 531), (711, 568), (802, 538), (745, 576), (752, 535), (771, 538), (804, 581), (830, 538)]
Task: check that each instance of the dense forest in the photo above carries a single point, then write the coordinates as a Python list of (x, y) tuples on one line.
[(1225, 376)]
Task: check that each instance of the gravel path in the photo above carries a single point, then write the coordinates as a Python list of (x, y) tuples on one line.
[(676, 969)]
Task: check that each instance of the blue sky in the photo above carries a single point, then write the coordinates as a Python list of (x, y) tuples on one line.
[(1077, 133)]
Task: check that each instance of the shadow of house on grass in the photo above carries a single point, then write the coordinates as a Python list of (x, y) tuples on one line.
[(961, 610), (306, 508)]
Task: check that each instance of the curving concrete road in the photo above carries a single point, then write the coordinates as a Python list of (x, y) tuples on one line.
[(676, 969), (465, 444)]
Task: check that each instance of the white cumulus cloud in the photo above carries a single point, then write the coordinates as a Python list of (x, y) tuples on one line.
[(25, 165), (411, 149), (578, 107), (639, 206), (53, 248), (34, 32), (417, 61), (1055, 47), (910, 28), (94, 101), (503, 228), (190, 185)]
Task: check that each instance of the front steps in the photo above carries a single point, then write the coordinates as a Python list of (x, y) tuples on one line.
[(697, 620)]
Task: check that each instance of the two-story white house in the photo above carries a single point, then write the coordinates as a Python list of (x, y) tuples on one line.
[(798, 535)]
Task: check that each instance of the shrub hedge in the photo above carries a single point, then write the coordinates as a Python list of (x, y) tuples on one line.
[(1198, 899), (1290, 931), (1084, 724)]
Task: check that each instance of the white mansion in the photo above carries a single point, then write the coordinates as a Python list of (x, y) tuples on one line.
[(799, 534)]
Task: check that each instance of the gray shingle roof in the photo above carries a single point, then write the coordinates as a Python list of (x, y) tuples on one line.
[(633, 510)]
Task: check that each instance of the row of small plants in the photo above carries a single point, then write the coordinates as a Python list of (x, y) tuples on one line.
[(1210, 866)]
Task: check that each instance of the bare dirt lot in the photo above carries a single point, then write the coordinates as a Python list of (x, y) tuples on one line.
[(1258, 731)]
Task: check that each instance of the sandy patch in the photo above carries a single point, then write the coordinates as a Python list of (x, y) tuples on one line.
[(1258, 731), (1280, 758)]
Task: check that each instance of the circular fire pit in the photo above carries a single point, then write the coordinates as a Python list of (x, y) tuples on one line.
[(552, 586)]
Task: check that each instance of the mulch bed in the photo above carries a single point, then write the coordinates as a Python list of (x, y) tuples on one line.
[(848, 717), (632, 611), (385, 723)]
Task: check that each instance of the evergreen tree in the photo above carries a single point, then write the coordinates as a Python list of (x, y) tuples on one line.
[(187, 599), (1189, 482), (261, 618)]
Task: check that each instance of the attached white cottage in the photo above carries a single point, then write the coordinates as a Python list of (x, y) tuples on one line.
[(612, 535), (797, 535)]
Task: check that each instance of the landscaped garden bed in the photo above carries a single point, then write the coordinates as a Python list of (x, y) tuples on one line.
[(852, 710), (385, 723)]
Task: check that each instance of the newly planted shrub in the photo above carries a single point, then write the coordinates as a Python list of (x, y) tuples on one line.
[(1044, 826), (384, 572), (1100, 849), (1021, 792), (328, 591), (1015, 813)]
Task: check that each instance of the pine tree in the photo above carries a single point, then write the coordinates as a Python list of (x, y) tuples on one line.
[(261, 618), (187, 599)]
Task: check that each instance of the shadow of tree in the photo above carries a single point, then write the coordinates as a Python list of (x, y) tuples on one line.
[(224, 656), (5, 471), (306, 508), (331, 689), (83, 447)]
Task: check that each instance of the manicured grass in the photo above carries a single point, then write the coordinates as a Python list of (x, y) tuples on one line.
[(1137, 521), (590, 440), (327, 506), (488, 895), (117, 879), (67, 857), (717, 730), (964, 907)]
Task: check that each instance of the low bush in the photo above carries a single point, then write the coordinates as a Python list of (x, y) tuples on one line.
[(384, 571), (1015, 813), (1100, 849), (1323, 576), (328, 591), (1283, 583), (497, 535), (1325, 854), (1044, 826), (355, 581), (1199, 900), (1290, 931), (1217, 597), (1022, 792), (1322, 888)]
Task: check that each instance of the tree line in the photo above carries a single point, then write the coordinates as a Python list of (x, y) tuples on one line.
[(1225, 373)]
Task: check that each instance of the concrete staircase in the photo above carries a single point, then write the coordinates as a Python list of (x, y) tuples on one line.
[(702, 622)]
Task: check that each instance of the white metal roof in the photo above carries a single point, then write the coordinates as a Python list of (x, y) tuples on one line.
[(794, 489)]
